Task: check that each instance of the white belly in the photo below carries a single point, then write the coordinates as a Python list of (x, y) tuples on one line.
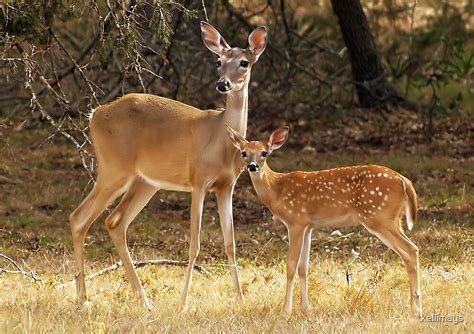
[(165, 185)]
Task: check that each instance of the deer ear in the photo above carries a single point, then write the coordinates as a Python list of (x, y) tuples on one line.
[(237, 140), (258, 41), (278, 138), (213, 39)]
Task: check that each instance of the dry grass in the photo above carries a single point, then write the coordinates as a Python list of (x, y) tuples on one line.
[(376, 301), (50, 183)]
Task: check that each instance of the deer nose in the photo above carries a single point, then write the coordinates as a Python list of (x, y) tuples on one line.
[(252, 167), (223, 86)]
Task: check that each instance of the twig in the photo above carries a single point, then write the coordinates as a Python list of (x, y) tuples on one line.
[(410, 42), (80, 147), (19, 270), (263, 249), (200, 269), (89, 83), (70, 69), (4, 179), (285, 22), (333, 239), (13, 98), (356, 255), (205, 11), (139, 264), (316, 45), (165, 57)]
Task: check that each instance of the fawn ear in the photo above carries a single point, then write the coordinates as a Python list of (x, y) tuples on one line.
[(237, 140), (278, 138), (257, 41), (212, 39)]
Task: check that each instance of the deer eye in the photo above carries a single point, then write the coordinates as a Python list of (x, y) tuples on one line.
[(244, 63), (244, 154), (218, 63), (264, 154)]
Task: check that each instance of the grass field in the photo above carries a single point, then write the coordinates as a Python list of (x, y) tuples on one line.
[(44, 182)]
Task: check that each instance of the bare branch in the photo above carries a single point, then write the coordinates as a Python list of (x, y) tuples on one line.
[(31, 274), (139, 264), (89, 83), (274, 48)]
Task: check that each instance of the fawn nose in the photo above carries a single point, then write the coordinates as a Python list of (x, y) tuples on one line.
[(223, 86), (252, 167)]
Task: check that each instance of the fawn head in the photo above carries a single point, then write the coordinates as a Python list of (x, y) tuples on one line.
[(255, 153), (233, 64)]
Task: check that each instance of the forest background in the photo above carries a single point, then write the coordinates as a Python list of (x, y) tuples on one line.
[(411, 111)]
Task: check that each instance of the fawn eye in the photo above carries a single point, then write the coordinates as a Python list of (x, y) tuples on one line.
[(264, 154), (244, 63), (218, 63), (244, 154)]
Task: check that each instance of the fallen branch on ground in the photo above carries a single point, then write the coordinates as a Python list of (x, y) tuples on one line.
[(31, 274), (138, 264), (4, 179)]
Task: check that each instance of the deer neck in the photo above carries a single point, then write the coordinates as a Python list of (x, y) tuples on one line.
[(263, 182), (236, 110)]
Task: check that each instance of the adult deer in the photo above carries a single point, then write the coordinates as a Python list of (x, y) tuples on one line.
[(373, 196), (144, 143)]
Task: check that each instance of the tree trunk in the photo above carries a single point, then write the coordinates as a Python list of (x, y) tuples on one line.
[(367, 70)]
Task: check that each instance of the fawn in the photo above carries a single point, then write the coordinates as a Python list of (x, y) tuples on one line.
[(373, 196)]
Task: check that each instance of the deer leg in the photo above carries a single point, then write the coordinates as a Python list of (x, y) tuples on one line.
[(412, 264), (101, 196), (224, 202), (296, 236), (194, 244), (408, 251), (135, 199), (303, 267)]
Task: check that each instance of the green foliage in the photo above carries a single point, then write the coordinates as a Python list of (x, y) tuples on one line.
[(105, 53), (31, 19), (398, 67), (459, 62), (455, 64), (20, 23), (435, 61), (304, 72), (50, 9)]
